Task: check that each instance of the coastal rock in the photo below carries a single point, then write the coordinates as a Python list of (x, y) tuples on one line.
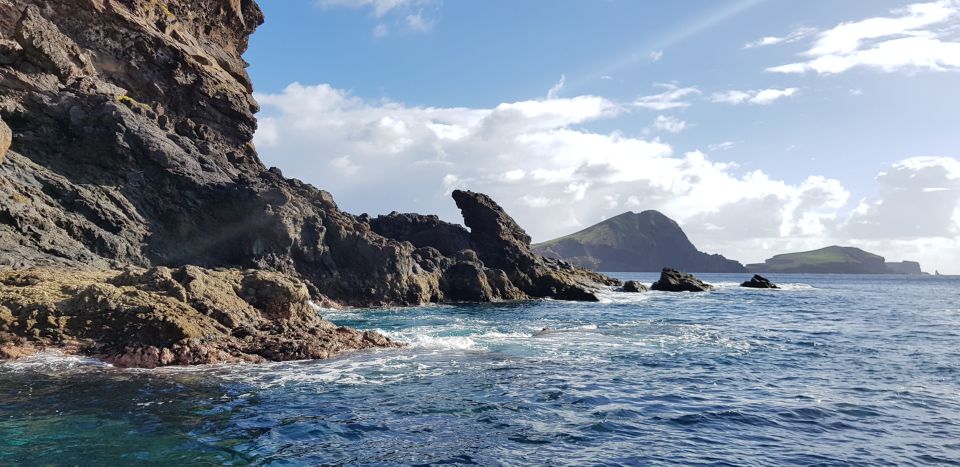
[(634, 287), (759, 282), (132, 128), (161, 316), (503, 245), (672, 280)]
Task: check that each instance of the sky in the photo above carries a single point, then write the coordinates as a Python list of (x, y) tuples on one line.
[(761, 126)]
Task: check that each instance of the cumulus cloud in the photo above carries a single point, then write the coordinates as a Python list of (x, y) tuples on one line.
[(756, 97), (921, 36), (673, 97), (542, 162), (669, 124), (919, 197)]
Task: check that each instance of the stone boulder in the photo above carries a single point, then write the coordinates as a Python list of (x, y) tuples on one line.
[(759, 282), (633, 287), (672, 280)]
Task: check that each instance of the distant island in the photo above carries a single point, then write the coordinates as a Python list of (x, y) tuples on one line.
[(631, 242), (834, 260)]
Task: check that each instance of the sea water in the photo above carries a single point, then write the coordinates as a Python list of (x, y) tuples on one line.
[(828, 370)]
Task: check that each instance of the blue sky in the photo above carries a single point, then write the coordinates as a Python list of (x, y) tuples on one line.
[(761, 125)]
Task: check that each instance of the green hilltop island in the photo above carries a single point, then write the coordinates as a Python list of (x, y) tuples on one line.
[(632, 242), (834, 260)]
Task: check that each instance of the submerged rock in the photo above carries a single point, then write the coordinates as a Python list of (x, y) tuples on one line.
[(672, 280), (633, 286), (161, 316), (759, 282)]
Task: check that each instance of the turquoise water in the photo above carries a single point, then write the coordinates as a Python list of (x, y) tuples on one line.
[(831, 370)]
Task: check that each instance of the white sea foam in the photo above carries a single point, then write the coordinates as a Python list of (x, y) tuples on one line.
[(52, 361)]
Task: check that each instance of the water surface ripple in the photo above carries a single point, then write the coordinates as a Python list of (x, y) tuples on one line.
[(831, 370)]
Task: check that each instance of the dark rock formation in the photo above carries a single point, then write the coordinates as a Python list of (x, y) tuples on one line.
[(834, 260), (635, 242), (501, 244), (759, 282), (132, 123), (672, 280), (158, 317), (634, 286)]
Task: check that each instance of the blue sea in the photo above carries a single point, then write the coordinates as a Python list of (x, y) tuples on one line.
[(830, 370)]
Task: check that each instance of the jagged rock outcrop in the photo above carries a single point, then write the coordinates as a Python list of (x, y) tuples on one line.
[(759, 282), (132, 123), (161, 316), (635, 242), (672, 280)]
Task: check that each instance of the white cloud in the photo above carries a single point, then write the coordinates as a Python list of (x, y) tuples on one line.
[(669, 124), (345, 165), (721, 146), (918, 198), (391, 15), (417, 23), (656, 55), (555, 176), (794, 36), (555, 90), (379, 7), (756, 97), (920, 36), (672, 98)]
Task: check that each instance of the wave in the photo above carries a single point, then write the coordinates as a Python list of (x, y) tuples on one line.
[(53, 361)]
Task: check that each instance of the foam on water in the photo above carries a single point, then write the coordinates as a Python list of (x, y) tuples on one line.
[(53, 362)]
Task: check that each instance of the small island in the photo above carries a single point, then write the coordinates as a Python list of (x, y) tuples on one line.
[(834, 260)]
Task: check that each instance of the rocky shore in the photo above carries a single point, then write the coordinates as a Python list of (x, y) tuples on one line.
[(130, 125), (161, 316)]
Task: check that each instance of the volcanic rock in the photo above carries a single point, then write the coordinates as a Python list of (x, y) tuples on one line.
[(132, 126), (634, 287), (672, 280), (759, 282), (161, 316)]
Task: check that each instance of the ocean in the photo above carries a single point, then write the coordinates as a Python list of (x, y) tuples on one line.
[(830, 370)]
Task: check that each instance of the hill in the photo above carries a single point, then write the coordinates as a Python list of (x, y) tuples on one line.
[(834, 260), (631, 242)]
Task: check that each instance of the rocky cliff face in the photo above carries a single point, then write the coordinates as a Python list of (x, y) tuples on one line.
[(131, 126)]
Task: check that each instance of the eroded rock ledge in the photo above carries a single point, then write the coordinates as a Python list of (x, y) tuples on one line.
[(160, 316)]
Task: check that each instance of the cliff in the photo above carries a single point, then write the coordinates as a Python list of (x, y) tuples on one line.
[(834, 260), (130, 126), (630, 242)]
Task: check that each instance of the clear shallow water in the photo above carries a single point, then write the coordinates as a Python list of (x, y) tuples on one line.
[(831, 370)]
